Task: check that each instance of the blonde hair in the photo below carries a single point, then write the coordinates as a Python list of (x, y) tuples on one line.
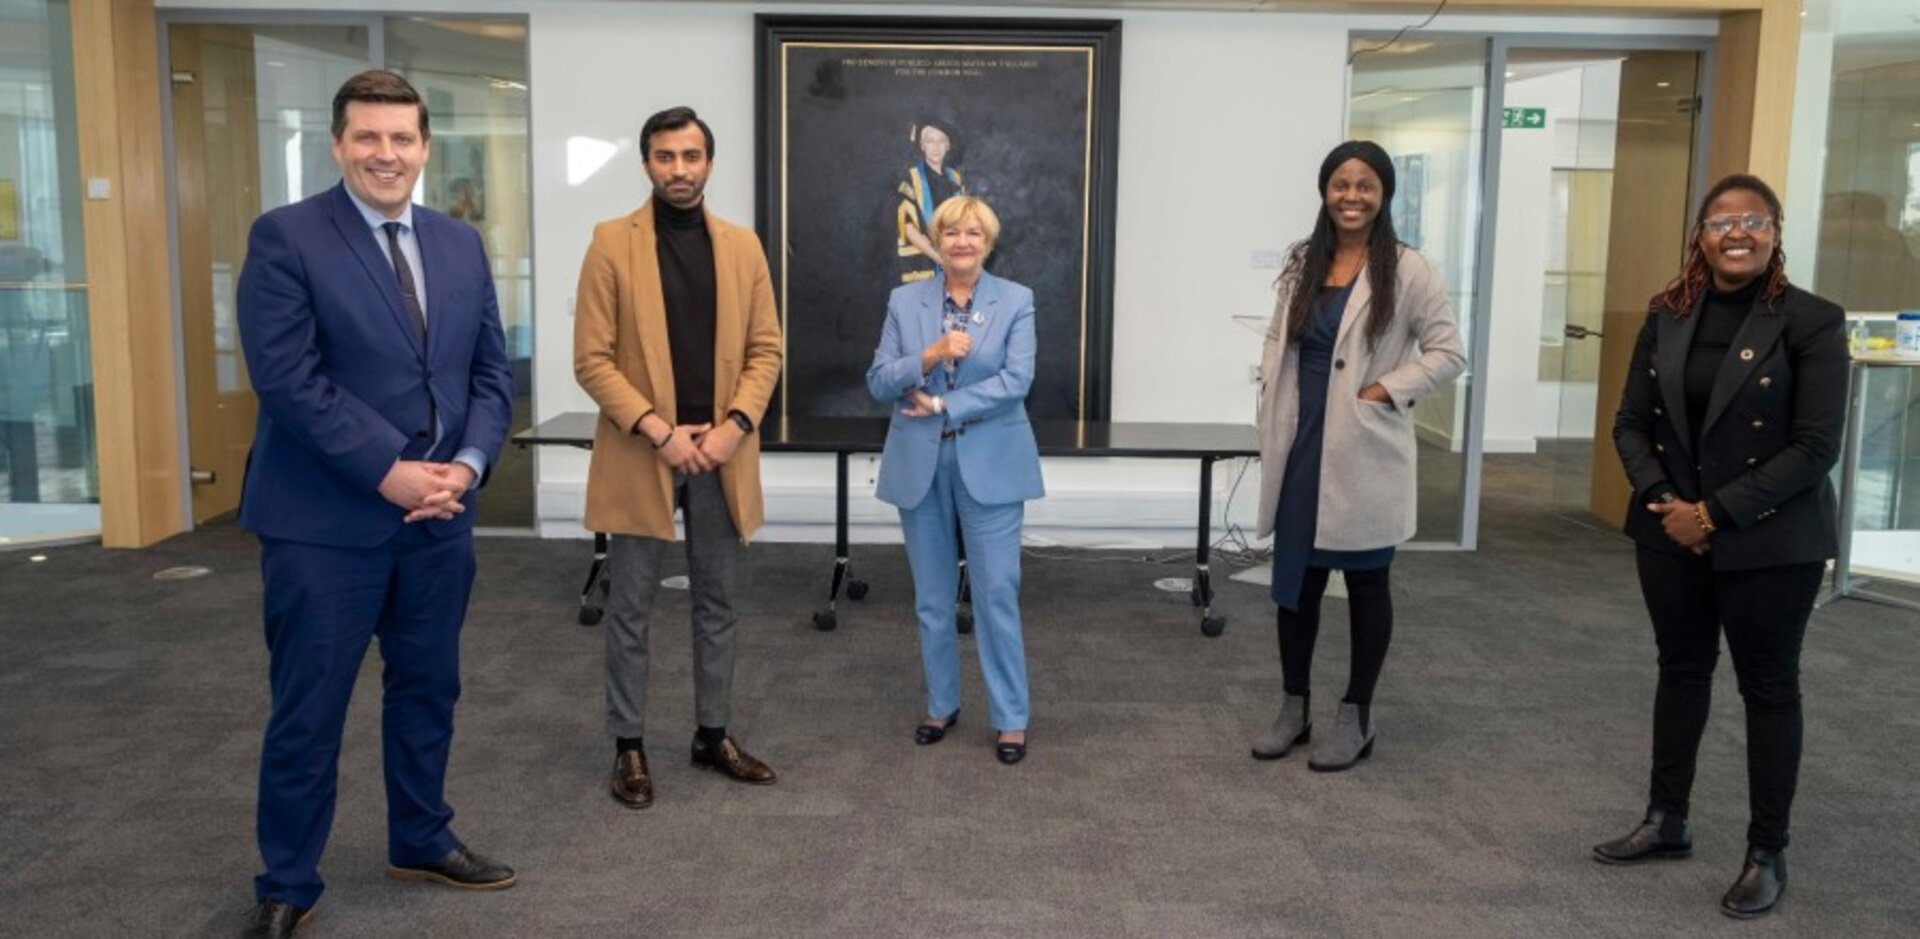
[(955, 210)]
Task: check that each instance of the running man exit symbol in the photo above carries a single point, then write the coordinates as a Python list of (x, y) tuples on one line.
[(1524, 118)]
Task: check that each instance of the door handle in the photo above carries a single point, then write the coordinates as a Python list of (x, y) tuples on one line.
[(1580, 332), (200, 477)]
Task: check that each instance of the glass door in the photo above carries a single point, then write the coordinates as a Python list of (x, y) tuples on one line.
[(1426, 103), (1573, 250), (251, 132)]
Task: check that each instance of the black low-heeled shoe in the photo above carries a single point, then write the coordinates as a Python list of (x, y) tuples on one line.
[(928, 734), (1762, 882), (1010, 753), (1661, 837)]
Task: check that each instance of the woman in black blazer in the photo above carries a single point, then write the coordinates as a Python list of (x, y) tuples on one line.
[(1729, 425)]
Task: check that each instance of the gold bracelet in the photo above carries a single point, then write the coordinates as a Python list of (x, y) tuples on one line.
[(1700, 515)]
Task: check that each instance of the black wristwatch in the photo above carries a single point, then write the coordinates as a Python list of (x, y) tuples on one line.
[(740, 420)]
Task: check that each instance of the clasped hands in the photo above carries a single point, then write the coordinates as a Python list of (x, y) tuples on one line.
[(427, 490), (1682, 524), (692, 449)]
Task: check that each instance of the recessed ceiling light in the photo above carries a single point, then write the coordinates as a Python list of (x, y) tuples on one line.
[(1510, 74), (37, 558), (274, 63), (1417, 97), (1663, 84)]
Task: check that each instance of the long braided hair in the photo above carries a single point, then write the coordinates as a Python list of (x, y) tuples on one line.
[(1684, 293), (1309, 261)]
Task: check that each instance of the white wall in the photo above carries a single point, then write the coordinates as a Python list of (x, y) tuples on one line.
[(1223, 120)]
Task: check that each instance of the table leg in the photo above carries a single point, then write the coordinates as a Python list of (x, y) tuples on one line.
[(1844, 583), (1211, 624), (828, 619), (593, 595)]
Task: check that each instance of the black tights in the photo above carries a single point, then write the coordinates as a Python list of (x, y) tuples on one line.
[(1371, 604)]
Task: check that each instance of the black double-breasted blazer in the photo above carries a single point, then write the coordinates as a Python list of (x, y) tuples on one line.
[(1768, 440)]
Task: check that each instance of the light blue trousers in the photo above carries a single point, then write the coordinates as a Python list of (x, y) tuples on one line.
[(992, 535)]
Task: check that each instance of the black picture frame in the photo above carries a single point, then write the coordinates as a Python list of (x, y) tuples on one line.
[(840, 103)]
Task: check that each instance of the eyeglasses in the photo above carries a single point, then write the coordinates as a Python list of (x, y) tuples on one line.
[(1753, 223)]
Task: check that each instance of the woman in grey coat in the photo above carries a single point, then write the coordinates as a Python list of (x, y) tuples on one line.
[(1361, 330)]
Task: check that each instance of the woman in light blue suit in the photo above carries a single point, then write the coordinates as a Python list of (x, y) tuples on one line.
[(956, 357)]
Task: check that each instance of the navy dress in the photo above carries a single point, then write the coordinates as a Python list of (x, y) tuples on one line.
[(1298, 514)]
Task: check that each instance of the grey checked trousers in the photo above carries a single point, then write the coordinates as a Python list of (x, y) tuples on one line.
[(633, 564)]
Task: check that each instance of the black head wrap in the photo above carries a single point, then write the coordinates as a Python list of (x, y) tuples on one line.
[(1366, 151)]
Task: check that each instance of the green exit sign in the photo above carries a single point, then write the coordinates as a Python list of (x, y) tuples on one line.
[(1524, 118)]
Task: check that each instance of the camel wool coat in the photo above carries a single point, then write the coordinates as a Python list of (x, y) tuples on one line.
[(1367, 470), (622, 359)]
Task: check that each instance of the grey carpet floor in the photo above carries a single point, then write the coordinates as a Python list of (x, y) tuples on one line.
[(1513, 732)]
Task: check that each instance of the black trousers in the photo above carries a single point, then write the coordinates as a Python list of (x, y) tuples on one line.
[(1370, 601), (1764, 615)]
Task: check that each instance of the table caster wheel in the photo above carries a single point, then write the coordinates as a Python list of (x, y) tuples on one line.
[(825, 621), (964, 622), (1212, 626), (590, 616), (856, 590)]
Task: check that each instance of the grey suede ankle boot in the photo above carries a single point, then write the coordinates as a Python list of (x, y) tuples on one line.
[(1290, 728), (1351, 742)]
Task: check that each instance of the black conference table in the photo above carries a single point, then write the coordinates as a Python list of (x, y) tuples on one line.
[(844, 436)]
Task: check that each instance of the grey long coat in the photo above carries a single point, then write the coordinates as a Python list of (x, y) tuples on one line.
[(1367, 470)]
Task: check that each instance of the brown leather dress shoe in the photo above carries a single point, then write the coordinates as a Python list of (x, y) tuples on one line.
[(729, 759), (274, 919), (632, 784), (461, 867)]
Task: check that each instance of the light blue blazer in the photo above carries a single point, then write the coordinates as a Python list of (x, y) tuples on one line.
[(999, 461)]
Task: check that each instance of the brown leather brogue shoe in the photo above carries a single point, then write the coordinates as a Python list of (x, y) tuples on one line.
[(632, 784), (730, 760)]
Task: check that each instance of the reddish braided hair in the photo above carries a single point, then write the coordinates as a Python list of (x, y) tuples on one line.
[(1685, 291)]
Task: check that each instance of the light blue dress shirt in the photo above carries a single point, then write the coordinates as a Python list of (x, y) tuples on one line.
[(410, 249)]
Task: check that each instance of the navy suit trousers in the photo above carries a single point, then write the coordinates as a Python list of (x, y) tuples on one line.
[(324, 606)]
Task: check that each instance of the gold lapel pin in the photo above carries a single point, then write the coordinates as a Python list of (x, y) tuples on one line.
[(1746, 355)]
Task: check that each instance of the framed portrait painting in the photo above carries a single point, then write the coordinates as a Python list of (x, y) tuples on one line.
[(866, 124)]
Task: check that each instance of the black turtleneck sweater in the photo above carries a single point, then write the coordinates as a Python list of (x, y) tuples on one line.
[(1721, 316), (685, 252)]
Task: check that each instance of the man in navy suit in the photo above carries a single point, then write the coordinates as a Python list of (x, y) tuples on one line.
[(373, 340)]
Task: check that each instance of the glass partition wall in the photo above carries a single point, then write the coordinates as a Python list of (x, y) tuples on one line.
[(1853, 231), (49, 477), (1506, 148)]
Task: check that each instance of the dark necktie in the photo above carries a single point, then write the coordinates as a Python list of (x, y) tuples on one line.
[(408, 291)]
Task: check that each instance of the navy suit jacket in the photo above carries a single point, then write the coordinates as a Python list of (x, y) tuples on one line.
[(996, 451), (343, 379)]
